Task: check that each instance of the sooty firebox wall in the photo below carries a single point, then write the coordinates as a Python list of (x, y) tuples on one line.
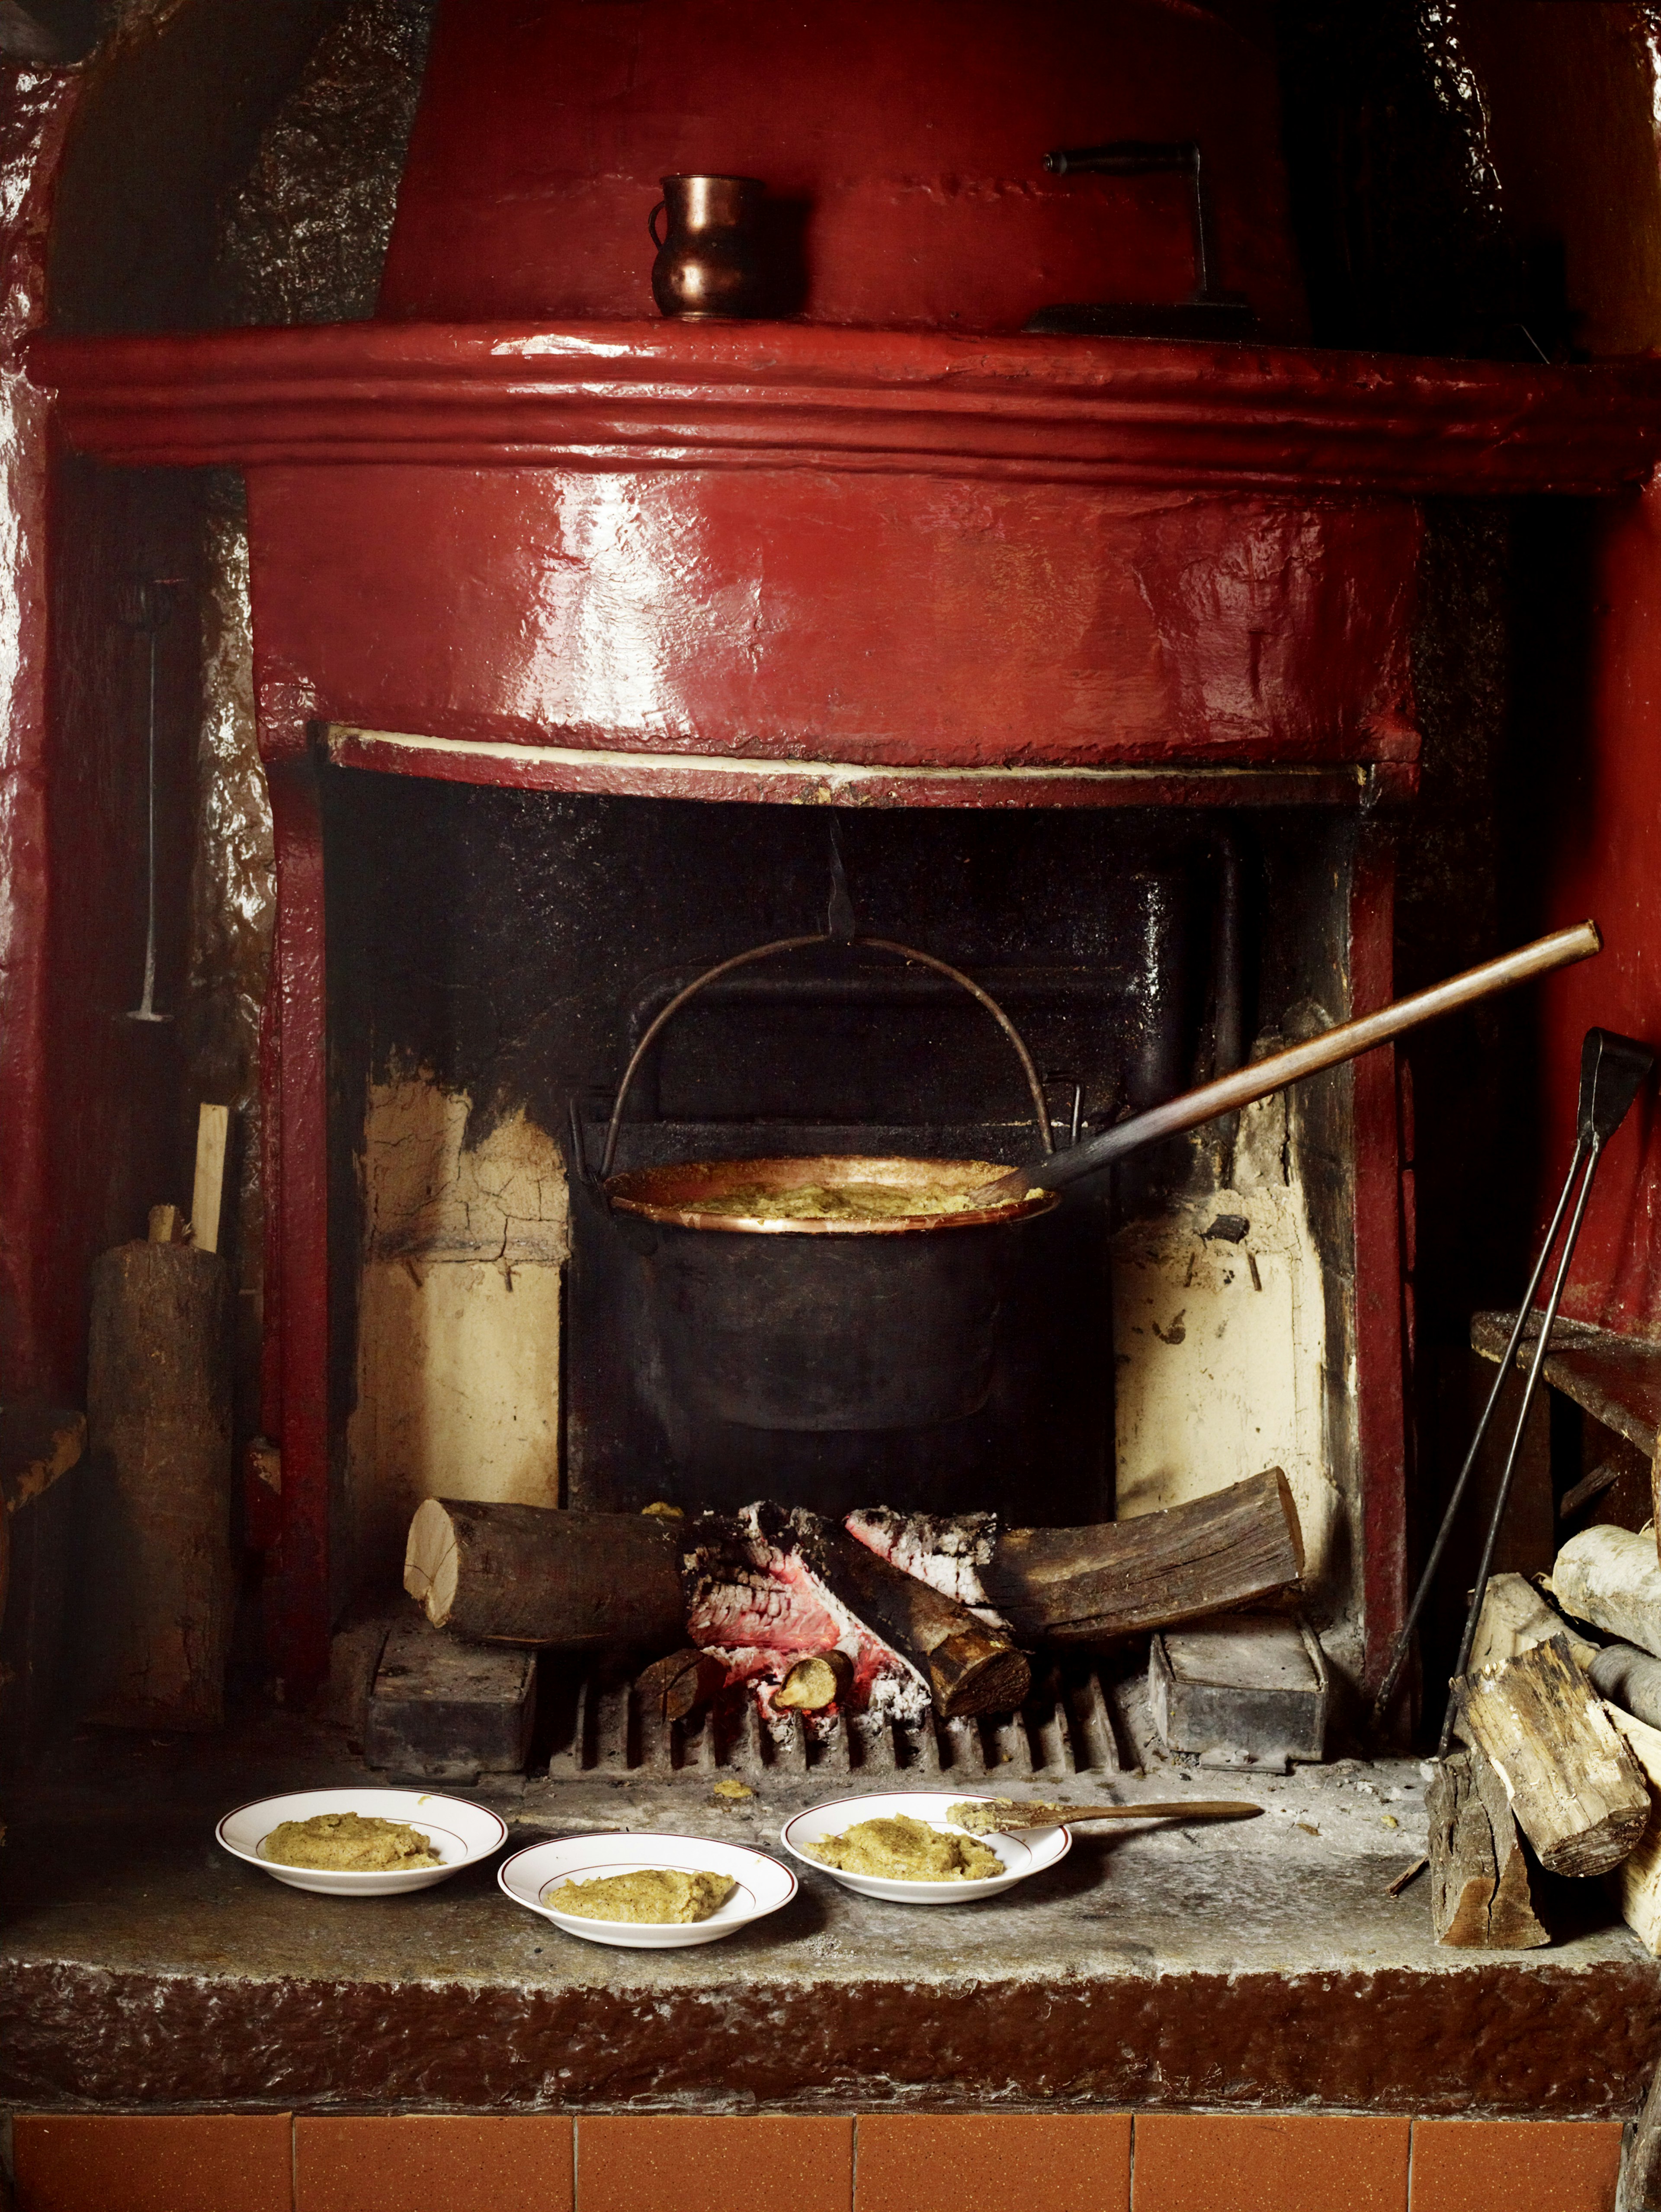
[(513, 947)]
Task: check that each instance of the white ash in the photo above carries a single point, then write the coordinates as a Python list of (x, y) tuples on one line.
[(947, 1552)]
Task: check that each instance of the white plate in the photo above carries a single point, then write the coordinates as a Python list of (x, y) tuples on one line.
[(762, 1885), (1027, 1854), (460, 1833)]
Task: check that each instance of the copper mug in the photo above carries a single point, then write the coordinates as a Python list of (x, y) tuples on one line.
[(709, 262)]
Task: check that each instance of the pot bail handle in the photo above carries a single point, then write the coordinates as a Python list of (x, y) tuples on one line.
[(1041, 1112)]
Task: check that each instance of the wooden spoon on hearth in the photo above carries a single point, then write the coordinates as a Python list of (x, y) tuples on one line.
[(1003, 1816)]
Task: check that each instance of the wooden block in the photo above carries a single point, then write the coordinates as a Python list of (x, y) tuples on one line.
[(442, 1711), (159, 1414), (355, 1650), (1249, 1689), (213, 1131), (1481, 1886), (1577, 1791)]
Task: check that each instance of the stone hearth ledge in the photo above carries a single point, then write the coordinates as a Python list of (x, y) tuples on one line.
[(1249, 1966)]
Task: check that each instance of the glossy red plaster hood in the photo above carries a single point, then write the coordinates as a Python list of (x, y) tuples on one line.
[(901, 141), (520, 511)]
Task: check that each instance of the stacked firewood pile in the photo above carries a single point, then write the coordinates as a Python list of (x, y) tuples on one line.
[(885, 1614), (1560, 1716)]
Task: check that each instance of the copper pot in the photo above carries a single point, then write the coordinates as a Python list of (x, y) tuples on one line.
[(709, 260), (807, 1325)]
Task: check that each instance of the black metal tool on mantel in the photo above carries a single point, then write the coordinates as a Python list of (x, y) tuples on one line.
[(1613, 1070), (1207, 311)]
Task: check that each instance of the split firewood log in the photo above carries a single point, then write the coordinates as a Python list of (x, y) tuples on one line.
[(1636, 1882), (536, 1574), (1514, 1619), (1482, 1893), (1610, 1576), (1092, 1586), (1622, 1675), (1626, 1678), (1577, 1791)]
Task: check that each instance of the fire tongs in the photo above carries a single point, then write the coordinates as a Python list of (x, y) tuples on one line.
[(1613, 1070)]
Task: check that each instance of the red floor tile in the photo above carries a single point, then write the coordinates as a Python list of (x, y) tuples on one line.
[(672, 2165), (992, 2162), (494, 2162), (1524, 2166), (116, 2162), (1230, 2162)]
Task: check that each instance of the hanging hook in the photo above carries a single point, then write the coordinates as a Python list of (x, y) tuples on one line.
[(146, 605), (839, 925)]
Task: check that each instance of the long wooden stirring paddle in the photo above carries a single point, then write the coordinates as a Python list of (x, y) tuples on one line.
[(1055, 1171), (1003, 1816)]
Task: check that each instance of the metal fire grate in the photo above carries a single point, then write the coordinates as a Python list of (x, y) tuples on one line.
[(605, 1729)]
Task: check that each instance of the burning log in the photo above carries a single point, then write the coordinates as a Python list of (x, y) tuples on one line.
[(1097, 1584), (949, 1552), (773, 1587), (905, 1610), (1578, 1793), (534, 1574), (679, 1683), (814, 1684), (969, 1667), (756, 1603), (1481, 1895)]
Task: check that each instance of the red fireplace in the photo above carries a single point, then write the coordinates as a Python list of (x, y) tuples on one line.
[(892, 554)]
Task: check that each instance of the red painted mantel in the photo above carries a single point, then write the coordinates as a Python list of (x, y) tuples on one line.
[(790, 543), (1100, 411), (810, 562)]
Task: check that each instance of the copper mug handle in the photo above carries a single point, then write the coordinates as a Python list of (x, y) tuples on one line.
[(651, 224)]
